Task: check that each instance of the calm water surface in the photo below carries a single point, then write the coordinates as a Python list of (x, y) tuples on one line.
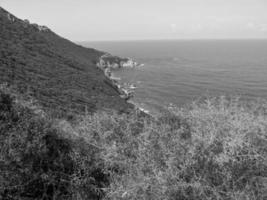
[(178, 72)]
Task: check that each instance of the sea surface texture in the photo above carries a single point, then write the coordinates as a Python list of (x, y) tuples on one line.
[(179, 72)]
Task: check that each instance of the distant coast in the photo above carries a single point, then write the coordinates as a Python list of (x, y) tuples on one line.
[(107, 63)]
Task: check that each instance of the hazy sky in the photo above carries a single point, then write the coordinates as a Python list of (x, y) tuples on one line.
[(85, 20)]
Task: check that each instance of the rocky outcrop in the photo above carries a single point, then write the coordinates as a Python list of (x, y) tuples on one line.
[(26, 23), (108, 63), (129, 63), (41, 28), (11, 17), (115, 62)]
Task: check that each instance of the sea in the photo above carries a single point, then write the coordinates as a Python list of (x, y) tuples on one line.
[(177, 72)]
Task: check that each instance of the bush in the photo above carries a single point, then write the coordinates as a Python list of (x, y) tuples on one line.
[(215, 149), (39, 161)]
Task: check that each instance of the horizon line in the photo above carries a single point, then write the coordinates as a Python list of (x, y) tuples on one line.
[(164, 39)]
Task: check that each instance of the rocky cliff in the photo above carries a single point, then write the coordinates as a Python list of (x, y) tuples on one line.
[(114, 62)]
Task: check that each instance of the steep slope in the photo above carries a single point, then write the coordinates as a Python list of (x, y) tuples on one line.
[(61, 75)]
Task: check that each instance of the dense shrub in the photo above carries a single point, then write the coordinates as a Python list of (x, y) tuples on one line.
[(216, 149), (39, 161)]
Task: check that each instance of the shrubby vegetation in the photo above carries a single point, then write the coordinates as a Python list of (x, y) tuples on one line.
[(214, 149), (61, 75), (38, 160)]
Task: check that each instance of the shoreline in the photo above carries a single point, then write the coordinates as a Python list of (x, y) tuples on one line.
[(126, 90)]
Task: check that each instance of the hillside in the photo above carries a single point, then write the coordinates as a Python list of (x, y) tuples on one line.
[(61, 75), (215, 149)]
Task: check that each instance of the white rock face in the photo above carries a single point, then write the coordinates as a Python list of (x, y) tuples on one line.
[(10, 17), (43, 28), (129, 63), (108, 62), (101, 63), (114, 62)]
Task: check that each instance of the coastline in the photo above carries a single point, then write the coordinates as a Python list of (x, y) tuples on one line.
[(107, 63)]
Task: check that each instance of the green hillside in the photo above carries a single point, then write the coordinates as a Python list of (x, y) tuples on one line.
[(61, 75)]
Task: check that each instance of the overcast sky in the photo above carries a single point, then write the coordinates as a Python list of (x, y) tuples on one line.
[(86, 20)]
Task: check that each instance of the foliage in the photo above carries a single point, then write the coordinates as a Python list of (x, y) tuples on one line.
[(216, 149), (39, 161), (61, 75)]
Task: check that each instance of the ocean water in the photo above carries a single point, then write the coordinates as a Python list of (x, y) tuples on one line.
[(180, 71)]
